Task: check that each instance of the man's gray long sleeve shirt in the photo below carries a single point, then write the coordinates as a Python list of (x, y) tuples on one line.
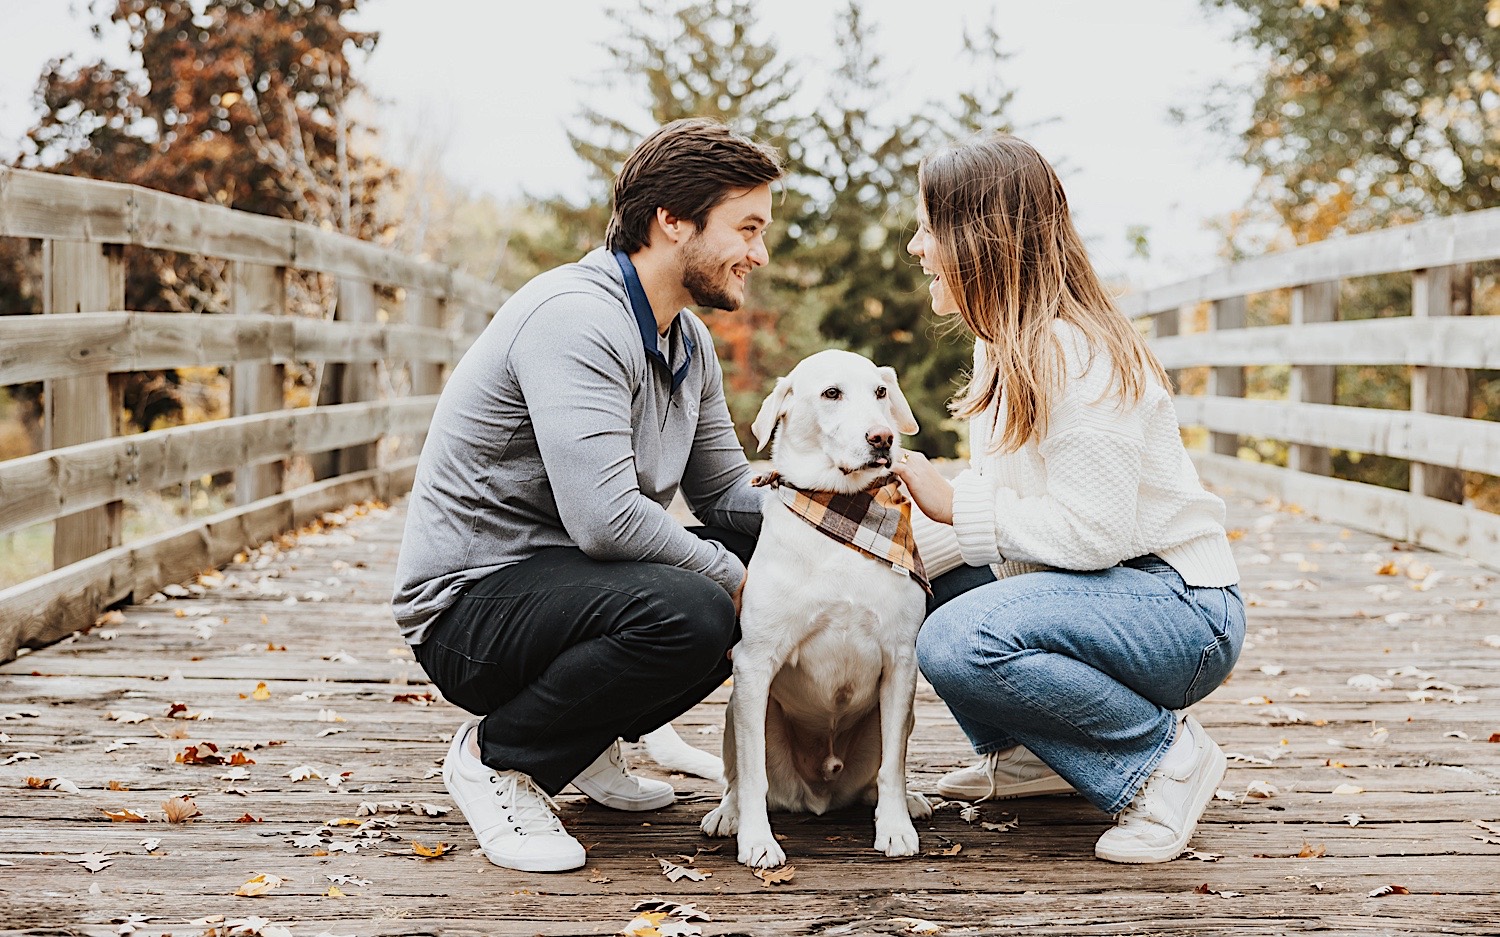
[(558, 429)]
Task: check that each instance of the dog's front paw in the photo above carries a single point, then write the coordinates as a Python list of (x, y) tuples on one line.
[(918, 806), (761, 852), (896, 838), (723, 820)]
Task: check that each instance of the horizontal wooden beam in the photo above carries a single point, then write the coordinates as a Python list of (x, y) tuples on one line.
[(34, 348), (1468, 342), (1438, 242), (60, 482), (1449, 441), (54, 206), (42, 610), (1427, 522)]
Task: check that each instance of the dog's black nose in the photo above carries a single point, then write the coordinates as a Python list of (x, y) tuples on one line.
[(879, 437)]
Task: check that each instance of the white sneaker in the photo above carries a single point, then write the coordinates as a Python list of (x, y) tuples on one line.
[(607, 782), (511, 817), (1159, 821), (1002, 775)]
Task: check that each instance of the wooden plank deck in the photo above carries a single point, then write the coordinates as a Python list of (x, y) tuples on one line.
[(308, 618)]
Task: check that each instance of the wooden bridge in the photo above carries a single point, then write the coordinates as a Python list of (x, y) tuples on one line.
[(246, 660)]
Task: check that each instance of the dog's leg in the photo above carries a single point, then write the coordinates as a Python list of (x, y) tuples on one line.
[(894, 833), (724, 820), (753, 670)]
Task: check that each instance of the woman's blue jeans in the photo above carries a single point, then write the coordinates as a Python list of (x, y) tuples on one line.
[(1086, 669)]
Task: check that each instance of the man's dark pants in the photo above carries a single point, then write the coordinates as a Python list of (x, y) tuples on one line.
[(562, 654)]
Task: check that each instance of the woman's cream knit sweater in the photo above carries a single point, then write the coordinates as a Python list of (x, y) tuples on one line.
[(1107, 483)]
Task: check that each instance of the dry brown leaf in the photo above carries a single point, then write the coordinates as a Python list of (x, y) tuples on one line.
[(260, 884), (416, 699), (275, 647), (599, 878), (1388, 568), (123, 816), (1384, 890), (179, 809), (116, 786), (249, 819), (953, 850), (1495, 736), (769, 877), (675, 872), (430, 852), (111, 617), (36, 783), (1309, 851), (260, 694)]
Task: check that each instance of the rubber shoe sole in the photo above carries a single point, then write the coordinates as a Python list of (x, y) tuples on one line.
[(1035, 788)]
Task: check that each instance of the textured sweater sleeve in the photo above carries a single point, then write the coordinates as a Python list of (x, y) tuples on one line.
[(716, 482), (1086, 518), (577, 384)]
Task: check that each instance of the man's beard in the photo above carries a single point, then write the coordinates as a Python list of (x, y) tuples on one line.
[(698, 278)]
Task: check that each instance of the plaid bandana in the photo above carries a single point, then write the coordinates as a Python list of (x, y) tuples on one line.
[(876, 521)]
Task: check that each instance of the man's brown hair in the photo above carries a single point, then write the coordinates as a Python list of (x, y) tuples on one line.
[(687, 167)]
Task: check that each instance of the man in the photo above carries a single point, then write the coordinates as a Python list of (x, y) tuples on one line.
[(541, 581)]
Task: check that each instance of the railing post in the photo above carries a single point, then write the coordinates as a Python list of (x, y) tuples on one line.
[(79, 276), (257, 290), (1164, 325), (1226, 381), (350, 381), (1312, 383), (428, 311), (1440, 291)]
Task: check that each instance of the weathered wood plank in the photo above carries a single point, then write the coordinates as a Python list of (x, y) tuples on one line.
[(1441, 292), (1226, 315), (62, 481), (1470, 445), (1314, 384), (1467, 342), (1438, 242), (257, 290)]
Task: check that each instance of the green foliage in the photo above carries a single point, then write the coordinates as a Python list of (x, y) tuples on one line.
[(1370, 112), (839, 273)]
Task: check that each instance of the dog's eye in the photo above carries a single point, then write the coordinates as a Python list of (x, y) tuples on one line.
[(833, 393), (880, 392)]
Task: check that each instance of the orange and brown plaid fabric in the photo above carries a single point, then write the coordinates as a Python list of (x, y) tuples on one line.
[(876, 521)]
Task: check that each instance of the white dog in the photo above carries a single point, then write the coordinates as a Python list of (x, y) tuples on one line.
[(826, 671)]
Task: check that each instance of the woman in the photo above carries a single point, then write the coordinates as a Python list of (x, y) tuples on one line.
[(1093, 593)]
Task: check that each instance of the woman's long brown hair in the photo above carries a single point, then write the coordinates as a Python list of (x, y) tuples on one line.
[(1013, 262)]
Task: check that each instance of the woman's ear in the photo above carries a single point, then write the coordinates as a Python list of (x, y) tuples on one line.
[(774, 408), (901, 415)]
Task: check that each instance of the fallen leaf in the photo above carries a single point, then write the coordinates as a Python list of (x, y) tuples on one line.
[(1002, 826), (333, 890), (953, 850), (1261, 790), (1273, 670), (675, 872), (1353, 819), (969, 814), (179, 809), (303, 773), (150, 845), (416, 699), (123, 816), (1201, 856), (261, 693), (917, 926), (93, 861), (779, 876), (599, 878), (1348, 789), (116, 786), (126, 717), (430, 852), (1205, 890), (1309, 851), (247, 818), (260, 884), (1384, 890)]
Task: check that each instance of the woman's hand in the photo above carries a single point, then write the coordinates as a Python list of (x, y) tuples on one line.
[(931, 491)]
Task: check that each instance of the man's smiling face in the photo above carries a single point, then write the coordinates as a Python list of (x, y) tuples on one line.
[(718, 257)]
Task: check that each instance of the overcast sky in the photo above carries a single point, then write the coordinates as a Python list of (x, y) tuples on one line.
[(497, 81)]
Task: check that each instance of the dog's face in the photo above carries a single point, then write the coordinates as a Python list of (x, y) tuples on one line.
[(840, 422)]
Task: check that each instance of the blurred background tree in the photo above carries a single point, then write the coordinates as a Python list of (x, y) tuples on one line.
[(840, 275), (1367, 114)]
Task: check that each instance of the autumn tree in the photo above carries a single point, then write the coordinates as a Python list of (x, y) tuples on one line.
[(243, 103)]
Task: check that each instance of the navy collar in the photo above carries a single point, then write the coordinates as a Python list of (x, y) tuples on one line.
[(645, 319)]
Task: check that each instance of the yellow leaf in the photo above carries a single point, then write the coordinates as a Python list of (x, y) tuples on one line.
[(345, 821), (333, 892), (645, 925), (111, 617), (261, 692), (123, 816), (429, 852), (260, 884)]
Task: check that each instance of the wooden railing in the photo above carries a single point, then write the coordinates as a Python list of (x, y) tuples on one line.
[(1441, 341), (80, 481)]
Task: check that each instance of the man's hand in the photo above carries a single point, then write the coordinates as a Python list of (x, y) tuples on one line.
[(932, 492)]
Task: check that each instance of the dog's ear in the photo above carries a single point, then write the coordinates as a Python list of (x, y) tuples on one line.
[(906, 421), (772, 410)]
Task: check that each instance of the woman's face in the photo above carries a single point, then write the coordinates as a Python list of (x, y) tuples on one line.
[(924, 247)]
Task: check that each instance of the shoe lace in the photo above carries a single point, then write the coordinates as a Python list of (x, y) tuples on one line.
[(991, 767), (528, 808)]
